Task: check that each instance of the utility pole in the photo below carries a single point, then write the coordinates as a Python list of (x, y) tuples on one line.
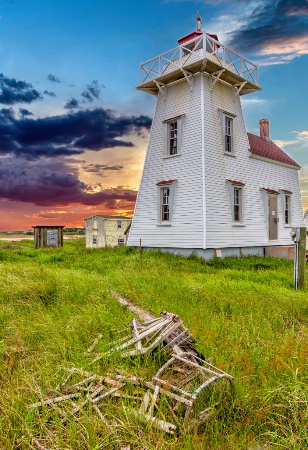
[(302, 258), (298, 235)]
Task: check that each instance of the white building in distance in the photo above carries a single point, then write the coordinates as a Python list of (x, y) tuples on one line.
[(106, 231)]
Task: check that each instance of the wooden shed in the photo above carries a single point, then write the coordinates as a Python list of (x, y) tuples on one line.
[(48, 236)]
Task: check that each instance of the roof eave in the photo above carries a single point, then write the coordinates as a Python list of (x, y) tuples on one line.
[(273, 161), (109, 217)]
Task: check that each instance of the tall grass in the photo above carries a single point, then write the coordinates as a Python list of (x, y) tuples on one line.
[(244, 313)]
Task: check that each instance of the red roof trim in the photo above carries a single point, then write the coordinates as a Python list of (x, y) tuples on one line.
[(270, 191), (239, 183), (267, 149), (286, 191), (189, 36), (194, 35), (165, 182), (213, 36)]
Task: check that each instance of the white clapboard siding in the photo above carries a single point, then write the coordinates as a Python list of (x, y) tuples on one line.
[(254, 173), (188, 230)]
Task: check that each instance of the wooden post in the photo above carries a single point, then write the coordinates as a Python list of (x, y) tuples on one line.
[(302, 258), (44, 237), (36, 244)]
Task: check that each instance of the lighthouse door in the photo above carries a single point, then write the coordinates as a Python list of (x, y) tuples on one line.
[(273, 217)]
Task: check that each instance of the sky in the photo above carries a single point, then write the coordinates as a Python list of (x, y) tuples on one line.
[(73, 128)]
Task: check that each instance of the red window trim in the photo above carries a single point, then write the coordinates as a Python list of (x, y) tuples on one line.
[(235, 182), (270, 191), (165, 182)]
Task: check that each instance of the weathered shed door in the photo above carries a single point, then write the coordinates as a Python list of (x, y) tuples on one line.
[(52, 238), (273, 217)]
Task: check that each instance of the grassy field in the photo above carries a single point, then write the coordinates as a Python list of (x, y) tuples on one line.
[(244, 313)]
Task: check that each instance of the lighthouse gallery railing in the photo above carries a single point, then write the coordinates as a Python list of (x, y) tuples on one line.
[(201, 47)]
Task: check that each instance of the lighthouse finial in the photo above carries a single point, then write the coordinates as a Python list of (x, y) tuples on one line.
[(199, 21)]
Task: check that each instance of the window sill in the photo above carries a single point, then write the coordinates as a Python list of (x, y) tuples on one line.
[(229, 154), (288, 226), (238, 224), (168, 224), (172, 156)]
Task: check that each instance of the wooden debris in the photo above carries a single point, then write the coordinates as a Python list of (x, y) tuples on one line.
[(95, 342), (171, 395), (163, 425), (51, 401), (38, 445), (182, 390), (168, 329), (83, 382), (139, 312), (60, 411), (100, 414), (178, 339), (100, 397)]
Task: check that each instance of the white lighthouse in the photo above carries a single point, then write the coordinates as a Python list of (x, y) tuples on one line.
[(207, 186)]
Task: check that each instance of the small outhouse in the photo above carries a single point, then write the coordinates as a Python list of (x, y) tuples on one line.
[(48, 236)]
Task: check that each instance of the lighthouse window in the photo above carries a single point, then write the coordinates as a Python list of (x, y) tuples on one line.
[(227, 132), (236, 196), (173, 139), (165, 204), (287, 210), (237, 204), (173, 131), (166, 192), (286, 198)]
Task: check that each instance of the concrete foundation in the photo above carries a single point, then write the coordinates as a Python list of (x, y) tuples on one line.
[(280, 251), (211, 252)]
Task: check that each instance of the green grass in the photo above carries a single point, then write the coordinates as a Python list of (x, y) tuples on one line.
[(244, 313)]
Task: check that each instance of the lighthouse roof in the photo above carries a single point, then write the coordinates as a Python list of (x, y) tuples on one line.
[(263, 148), (189, 36), (195, 34)]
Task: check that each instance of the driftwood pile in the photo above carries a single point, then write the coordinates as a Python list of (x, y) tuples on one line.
[(168, 400)]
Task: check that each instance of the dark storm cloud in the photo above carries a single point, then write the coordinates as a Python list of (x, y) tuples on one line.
[(92, 92), (52, 183), (72, 104), (51, 94), (13, 91), (87, 96), (272, 22), (68, 134), (53, 78), (99, 169), (8, 116), (24, 112)]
